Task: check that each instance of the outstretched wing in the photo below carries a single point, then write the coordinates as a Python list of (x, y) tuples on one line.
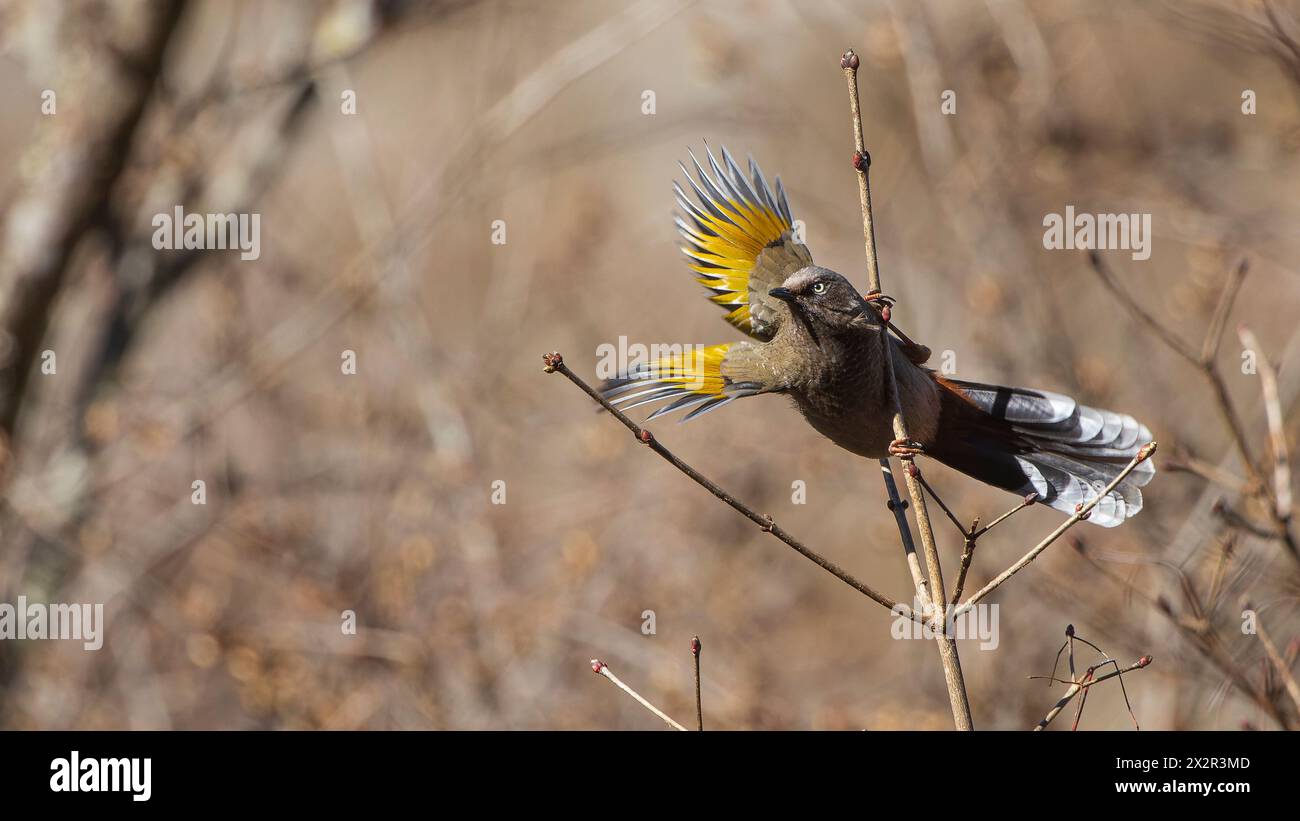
[(740, 240), (696, 380)]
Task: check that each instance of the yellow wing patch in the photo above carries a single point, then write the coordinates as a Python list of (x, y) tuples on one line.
[(690, 377), (736, 222)]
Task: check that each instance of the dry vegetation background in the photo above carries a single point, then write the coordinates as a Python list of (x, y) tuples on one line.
[(372, 492)]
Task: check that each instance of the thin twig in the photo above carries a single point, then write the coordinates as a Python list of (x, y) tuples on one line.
[(696, 647), (1078, 710), (1188, 463), (601, 668), (957, 697), (1118, 672), (967, 555), (1089, 679), (862, 161), (1068, 644), (1079, 515), (1028, 501), (1076, 687), (1106, 659), (899, 508), (1128, 705), (1277, 435), (1108, 278), (1206, 366), (1226, 552), (971, 537), (554, 363), (952, 517), (1219, 321), (1201, 636), (1279, 663), (1239, 520)]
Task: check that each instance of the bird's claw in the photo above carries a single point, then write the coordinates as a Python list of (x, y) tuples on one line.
[(883, 304), (905, 449)]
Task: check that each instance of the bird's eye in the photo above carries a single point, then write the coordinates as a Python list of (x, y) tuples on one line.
[(819, 288)]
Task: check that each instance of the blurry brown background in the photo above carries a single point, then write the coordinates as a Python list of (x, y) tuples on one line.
[(372, 492)]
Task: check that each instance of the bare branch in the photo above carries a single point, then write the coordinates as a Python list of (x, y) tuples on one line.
[(80, 161), (1079, 515), (1207, 367), (942, 506), (972, 536), (696, 647), (1187, 463), (967, 555), (1199, 634), (1088, 682), (601, 668), (1279, 663), (1236, 519), (1029, 500), (1277, 435), (957, 697), (1227, 297), (899, 508), (1108, 278), (554, 363)]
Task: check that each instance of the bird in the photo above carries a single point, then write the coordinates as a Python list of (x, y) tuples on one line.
[(816, 340)]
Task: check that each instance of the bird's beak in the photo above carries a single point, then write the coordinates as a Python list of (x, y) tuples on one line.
[(783, 294)]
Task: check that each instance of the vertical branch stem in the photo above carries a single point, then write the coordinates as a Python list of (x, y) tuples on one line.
[(696, 647), (1274, 655), (967, 554), (1276, 431), (947, 645), (899, 509), (862, 160)]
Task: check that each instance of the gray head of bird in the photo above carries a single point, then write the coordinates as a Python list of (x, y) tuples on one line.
[(825, 301)]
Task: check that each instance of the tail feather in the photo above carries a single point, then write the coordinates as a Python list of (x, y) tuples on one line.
[(1029, 441)]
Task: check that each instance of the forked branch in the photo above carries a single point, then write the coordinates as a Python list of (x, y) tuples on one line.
[(1080, 513)]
